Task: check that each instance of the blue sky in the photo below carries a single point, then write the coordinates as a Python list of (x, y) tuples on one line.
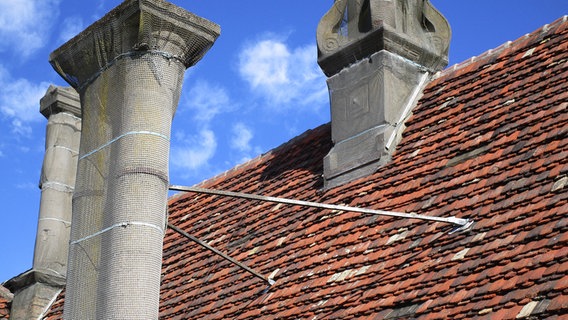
[(258, 86)]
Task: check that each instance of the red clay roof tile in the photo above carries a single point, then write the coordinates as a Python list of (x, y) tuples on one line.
[(5, 302)]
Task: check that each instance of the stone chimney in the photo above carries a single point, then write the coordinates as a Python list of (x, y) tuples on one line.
[(62, 108), (378, 56), (36, 289), (128, 69)]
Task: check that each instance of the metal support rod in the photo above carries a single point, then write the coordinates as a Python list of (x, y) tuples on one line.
[(224, 256), (452, 220)]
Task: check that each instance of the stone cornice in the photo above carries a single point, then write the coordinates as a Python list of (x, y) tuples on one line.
[(31, 277), (60, 99), (135, 27), (383, 38)]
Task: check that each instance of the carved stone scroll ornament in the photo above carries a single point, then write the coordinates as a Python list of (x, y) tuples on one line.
[(355, 29)]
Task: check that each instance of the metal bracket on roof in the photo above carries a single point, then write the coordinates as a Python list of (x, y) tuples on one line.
[(269, 281), (462, 228), (461, 223)]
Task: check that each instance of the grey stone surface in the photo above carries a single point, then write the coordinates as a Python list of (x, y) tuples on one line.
[(32, 302), (377, 55), (60, 99), (34, 291), (134, 26), (128, 68), (368, 100), (62, 107)]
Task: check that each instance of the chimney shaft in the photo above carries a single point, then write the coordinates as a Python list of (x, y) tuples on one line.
[(36, 289), (378, 55), (128, 68), (62, 108)]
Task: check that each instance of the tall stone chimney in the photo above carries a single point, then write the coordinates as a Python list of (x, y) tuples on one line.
[(378, 56), (62, 108), (128, 68), (36, 289)]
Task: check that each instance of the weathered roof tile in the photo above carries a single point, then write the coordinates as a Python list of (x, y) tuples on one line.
[(5, 302)]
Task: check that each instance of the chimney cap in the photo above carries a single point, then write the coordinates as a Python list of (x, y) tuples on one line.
[(134, 27), (60, 99), (32, 276)]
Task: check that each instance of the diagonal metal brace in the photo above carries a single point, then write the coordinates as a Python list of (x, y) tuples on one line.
[(464, 223), (269, 281)]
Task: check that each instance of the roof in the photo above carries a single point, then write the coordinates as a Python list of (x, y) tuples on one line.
[(5, 302), (487, 142)]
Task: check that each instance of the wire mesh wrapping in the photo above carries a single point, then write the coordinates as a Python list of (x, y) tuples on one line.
[(124, 175), (133, 27), (129, 69)]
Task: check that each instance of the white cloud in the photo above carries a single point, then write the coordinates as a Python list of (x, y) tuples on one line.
[(242, 135), (283, 75), (71, 27), (24, 149), (19, 101), (205, 101), (27, 186), (20, 128), (201, 104), (265, 64), (194, 152), (25, 24)]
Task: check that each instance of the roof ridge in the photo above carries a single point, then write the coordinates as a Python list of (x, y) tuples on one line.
[(495, 51), (252, 162), (261, 157)]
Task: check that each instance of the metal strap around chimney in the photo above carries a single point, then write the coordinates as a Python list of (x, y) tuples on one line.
[(461, 223), (269, 281)]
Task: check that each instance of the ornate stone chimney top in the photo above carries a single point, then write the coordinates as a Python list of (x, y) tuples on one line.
[(378, 55), (355, 29), (132, 28)]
